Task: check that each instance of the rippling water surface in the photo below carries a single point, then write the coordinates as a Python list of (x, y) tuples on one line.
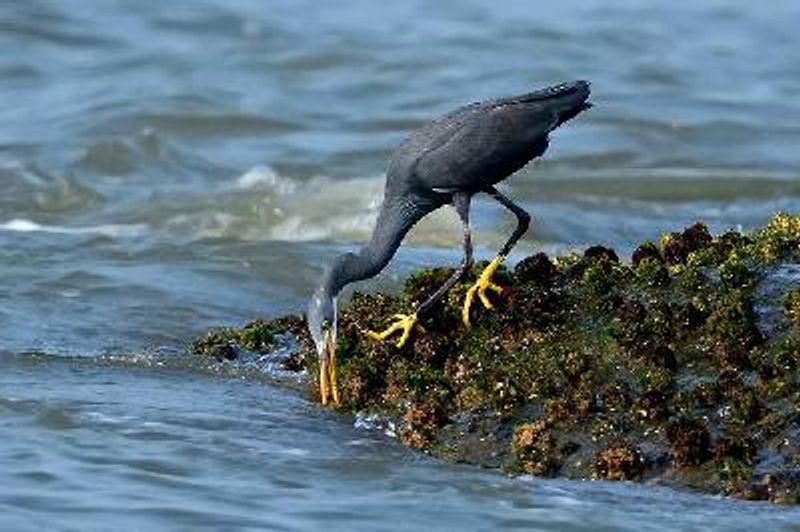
[(166, 167)]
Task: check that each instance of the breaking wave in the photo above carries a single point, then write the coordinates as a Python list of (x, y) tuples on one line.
[(260, 204)]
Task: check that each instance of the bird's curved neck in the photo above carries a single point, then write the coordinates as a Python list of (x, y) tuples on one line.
[(396, 217)]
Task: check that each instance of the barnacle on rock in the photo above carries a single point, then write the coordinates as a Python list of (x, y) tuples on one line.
[(620, 461), (535, 449), (778, 240), (689, 442), (676, 247)]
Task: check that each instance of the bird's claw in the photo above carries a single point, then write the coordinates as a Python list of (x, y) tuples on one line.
[(404, 322), (483, 283)]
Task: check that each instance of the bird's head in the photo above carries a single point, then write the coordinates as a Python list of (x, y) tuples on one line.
[(321, 315), (321, 319)]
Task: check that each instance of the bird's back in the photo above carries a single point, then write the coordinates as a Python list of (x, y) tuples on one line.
[(481, 144)]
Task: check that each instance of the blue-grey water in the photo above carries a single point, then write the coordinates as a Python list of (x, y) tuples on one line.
[(170, 166)]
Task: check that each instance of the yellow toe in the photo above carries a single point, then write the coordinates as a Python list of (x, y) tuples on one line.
[(403, 322), (482, 284), (467, 305)]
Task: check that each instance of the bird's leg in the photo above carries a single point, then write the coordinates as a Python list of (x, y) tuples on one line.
[(461, 204), (484, 281), (405, 322)]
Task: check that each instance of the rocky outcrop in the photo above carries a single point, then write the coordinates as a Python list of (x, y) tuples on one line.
[(680, 367)]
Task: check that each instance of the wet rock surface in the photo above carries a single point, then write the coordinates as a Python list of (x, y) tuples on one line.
[(679, 367)]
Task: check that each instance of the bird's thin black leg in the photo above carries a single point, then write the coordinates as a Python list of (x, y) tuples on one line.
[(484, 281), (405, 322), (461, 203), (523, 219)]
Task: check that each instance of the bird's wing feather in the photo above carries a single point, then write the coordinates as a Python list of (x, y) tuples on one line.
[(485, 146)]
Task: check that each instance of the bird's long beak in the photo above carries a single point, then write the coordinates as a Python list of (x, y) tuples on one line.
[(328, 385)]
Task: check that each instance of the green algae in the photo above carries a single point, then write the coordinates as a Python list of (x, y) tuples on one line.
[(223, 342), (591, 367), (226, 343)]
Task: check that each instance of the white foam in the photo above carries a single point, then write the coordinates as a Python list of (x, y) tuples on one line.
[(110, 230), (263, 176), (260, 204)]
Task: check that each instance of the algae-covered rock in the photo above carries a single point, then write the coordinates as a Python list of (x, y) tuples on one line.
[(257, 336), (620, 461), (680, 366)]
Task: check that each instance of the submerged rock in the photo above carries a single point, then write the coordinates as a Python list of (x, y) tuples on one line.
[(680, 367)]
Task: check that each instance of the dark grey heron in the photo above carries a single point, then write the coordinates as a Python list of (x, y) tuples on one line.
[(445, 162)]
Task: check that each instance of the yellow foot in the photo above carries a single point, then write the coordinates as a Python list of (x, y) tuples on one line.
[(328, 385), (405, 322), (483, 283)]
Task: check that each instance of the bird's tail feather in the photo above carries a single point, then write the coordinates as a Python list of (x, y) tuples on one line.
[(566, 100), (569, 100), (573, 90), (571, 112)]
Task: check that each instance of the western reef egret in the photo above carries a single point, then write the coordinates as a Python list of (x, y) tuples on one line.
[(445, 162)]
